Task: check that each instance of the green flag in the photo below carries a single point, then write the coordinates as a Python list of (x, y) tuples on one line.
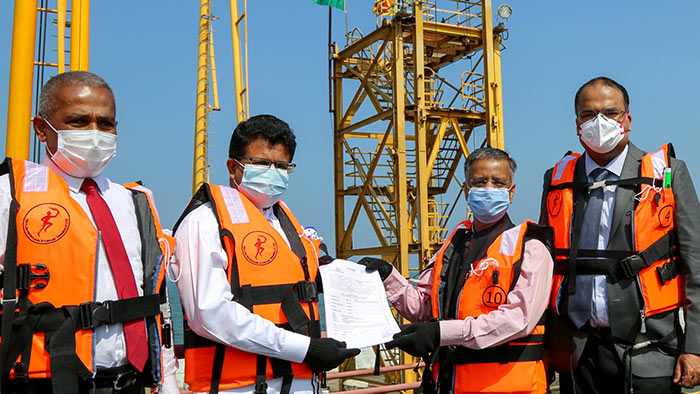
[(339, 4)]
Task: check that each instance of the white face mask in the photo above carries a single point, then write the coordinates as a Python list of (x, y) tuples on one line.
[(601, 134), (263, 185), (83, 153)]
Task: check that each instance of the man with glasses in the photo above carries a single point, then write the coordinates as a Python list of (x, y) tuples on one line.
[(480, 301), (626, 290), (247, 276)]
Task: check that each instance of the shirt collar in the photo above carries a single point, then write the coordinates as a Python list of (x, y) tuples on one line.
[(615, 165), (75, 183)]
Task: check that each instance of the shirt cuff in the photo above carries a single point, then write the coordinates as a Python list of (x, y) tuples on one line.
[(393, 284), (452, 332), (295, 346)]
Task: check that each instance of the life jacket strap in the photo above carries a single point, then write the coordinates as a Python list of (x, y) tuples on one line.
[(620, 264), (503, 354)]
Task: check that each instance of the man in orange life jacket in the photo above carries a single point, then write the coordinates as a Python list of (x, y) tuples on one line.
[(485, 292), (82, 258), (248, 276), (627, 312)]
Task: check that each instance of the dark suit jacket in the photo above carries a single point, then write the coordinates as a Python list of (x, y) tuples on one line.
[(624, 298)]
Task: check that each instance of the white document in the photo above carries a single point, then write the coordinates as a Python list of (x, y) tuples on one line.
[(357, 311)]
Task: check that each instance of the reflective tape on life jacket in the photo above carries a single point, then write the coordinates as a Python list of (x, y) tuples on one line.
[(515, 366), (654, 258), (50, 271), (270, 278)]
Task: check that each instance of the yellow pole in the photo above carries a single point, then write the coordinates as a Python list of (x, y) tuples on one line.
[(241, 113), (80, 35), (61, 30), (492, 83), (201, 164), (19, 107)]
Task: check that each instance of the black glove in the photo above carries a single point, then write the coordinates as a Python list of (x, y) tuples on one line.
[(326, 353), (418, 339), (372, 264)]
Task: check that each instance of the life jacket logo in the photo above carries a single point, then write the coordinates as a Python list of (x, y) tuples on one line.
[(493, 296), (46, 223), (666, 216), (554, 202), (259, 247)]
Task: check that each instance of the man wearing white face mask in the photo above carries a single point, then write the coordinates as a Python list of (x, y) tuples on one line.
[(82, 258), (248, 274), (485, 292), (626, 291)]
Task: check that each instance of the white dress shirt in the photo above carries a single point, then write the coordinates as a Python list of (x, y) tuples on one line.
[(109, 343), (599, 298), (205, 294)]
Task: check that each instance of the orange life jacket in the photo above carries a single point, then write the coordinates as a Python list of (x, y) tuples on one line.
[(267, 277), (49, 279), (513, 367), (654, 258)]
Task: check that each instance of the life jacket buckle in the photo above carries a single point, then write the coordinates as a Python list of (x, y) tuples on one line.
[(629, 267), (667, 272), (27, 274), (95, 314), (124, 380), (306, 291), (261, 387)]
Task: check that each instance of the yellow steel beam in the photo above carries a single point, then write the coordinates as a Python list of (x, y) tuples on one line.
[(379, 34), (212, 62), (19, 106), (238, 71), (386, 114), (492, 83), (338, 162), (200, 172), (80, 35), (61, 35), (452, 30), (421, 130), (354, 103), (366, 185)]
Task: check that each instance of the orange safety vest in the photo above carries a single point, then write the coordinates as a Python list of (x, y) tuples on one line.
[(513, 367), (267, 277), (51, 254), (654, 259)]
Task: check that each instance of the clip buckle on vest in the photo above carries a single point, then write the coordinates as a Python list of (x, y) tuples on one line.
[(628, 267), (28, 273), (306, 291), (95, 314), (596, 185), (261, 387), (667, 272), (124, 380)]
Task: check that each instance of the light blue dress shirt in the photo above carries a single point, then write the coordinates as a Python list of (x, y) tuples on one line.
[(599, 298)]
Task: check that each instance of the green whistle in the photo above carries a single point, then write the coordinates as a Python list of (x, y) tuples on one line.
[(667, 178)]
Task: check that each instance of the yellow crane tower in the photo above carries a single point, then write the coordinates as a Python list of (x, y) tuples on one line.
[(206, 78), (23, 60), (407, 99)]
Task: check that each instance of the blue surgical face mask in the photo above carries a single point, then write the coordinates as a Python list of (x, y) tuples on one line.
[(263, 185), (488, 204)]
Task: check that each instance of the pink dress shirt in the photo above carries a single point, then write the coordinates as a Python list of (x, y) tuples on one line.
[(513, 319)]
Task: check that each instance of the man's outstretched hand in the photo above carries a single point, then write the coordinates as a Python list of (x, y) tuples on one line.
[(326, 353), (418, 339)]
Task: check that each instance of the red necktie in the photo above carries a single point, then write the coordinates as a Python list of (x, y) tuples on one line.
[(135, 330)]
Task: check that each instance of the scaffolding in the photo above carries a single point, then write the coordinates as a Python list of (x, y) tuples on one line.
[(407, 99)]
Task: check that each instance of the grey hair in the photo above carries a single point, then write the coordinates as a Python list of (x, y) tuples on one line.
[(47, 97), (488, 152)]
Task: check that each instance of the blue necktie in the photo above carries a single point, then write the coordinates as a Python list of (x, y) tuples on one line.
[(580, 303)]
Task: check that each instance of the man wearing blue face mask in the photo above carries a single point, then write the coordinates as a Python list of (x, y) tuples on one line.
[(626, 290), (483, 295), (248, 274), (82, 258)]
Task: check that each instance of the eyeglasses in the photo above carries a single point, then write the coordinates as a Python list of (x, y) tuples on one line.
[(282, 165), (484, 182), (610, 113)]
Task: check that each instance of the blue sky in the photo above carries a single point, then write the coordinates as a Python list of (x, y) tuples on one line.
[(147, 51)]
